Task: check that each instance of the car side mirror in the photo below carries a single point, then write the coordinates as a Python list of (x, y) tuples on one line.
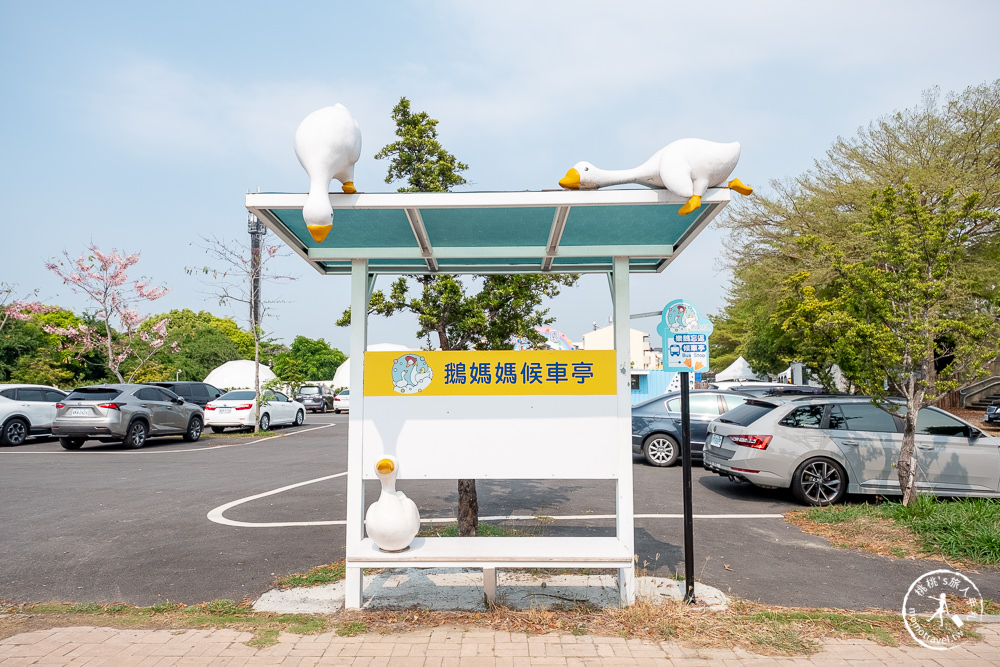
[(179, 401), (975, 434)]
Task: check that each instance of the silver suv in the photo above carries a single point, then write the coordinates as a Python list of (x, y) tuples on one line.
[(125, 412), (823, 447)]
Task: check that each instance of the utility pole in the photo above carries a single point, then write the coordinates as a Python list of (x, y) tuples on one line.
[(256, 229)]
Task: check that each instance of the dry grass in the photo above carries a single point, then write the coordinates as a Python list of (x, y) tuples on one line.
[(877, 535), (754, 627)]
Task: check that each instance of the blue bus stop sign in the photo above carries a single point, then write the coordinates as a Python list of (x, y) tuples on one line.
[(685, 338)]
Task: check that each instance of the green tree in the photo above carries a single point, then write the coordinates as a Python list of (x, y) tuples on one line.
[(203, 345), (418, 155), (505, 306), (312, 359), (909, 312), (933, 147)]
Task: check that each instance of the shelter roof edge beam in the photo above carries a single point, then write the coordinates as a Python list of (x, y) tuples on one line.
[(486, 253)]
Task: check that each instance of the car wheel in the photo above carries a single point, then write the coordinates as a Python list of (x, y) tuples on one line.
[(15, 432), (218, 429), (299, 418), (323, 408), (660, 450), (72, 444), (336, 411), (136, 436), (265, 422), (819, 482), (194, 429)]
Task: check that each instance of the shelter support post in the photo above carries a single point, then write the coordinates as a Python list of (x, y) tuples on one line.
[(361, 285), (490, 584), (624, 513)]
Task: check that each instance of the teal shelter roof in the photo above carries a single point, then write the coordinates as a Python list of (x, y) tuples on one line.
[(561, 231)]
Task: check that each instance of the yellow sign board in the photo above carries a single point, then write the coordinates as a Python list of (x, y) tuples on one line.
[(502, 373)]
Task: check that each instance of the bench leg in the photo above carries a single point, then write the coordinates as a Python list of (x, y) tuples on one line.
[(626, 585), (490, 584), (354, 584)]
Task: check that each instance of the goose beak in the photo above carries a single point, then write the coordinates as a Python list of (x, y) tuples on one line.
[(571, 181), (319, 232), (384, 467)]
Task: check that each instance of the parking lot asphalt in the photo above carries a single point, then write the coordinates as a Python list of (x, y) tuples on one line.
[(224, 517)]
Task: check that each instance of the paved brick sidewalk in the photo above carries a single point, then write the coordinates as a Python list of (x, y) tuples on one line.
[(439, 647)]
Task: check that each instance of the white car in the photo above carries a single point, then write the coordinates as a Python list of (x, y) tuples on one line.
[(27, 410), (342, 401), (235, 409)]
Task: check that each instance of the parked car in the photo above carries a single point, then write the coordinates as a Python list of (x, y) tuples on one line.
[(316, 397), (27, 410), (193, 392), (656, 423), (342, 401), (126, 412), (775, 389), (992, 412), (824, 447), (235, 409)]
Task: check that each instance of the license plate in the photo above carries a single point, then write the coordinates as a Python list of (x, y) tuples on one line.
[(715, 440), (225, 411), (79, 412)]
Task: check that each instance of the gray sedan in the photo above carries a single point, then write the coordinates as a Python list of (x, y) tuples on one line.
[(124, 412)]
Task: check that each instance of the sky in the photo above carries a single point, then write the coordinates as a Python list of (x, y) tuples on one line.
[(141, 126)]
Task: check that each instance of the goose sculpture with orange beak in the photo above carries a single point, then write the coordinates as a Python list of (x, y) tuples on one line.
[(686, 167), (328, 144), (393, 520)]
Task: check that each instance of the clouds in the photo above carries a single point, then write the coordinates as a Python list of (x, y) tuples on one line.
[(202, 102)]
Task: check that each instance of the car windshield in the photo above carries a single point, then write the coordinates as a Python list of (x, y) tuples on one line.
[(93, 394), (239, 395), (308, 390), (344, 393), (748, 413)]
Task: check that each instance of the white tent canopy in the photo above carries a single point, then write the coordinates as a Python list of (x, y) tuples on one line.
[(342, 378), (238, 374), (738, 370)]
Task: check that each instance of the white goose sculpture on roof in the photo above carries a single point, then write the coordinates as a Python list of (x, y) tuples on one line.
[(686, 167), (328, 144)]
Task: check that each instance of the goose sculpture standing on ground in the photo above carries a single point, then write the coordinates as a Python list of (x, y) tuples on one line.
[(328, 144), (686, 167), (393, 520)]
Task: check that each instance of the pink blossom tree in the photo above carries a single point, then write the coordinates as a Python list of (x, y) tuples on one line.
[(19, 309), (102, 277)]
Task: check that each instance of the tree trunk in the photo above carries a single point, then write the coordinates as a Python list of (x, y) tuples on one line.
[(906, 467), (468, 508)]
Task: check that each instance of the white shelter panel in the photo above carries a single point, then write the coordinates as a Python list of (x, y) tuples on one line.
[(493, 437)]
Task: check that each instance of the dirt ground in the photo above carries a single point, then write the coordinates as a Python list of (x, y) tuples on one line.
[(975, 417)]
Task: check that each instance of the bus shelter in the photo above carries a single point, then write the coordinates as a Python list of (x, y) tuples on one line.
[(573, 424)]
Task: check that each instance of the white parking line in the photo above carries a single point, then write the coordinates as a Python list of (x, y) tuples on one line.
[(216, 515), (183, 451)]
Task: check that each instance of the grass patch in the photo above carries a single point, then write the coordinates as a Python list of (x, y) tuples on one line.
[(757, 628), (265, 627), (485, 530), (322, 574), (963, 531)]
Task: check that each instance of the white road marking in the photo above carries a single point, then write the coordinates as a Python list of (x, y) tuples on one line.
[(216, 515), (183, 451)]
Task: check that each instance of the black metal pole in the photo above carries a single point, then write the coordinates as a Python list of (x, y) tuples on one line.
[(687, 484)]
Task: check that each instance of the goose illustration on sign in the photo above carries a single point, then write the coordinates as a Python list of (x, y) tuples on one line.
[(685, 338), (411, 374)]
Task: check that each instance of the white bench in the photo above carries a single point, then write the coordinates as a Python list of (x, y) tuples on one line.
[(491, 553)]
